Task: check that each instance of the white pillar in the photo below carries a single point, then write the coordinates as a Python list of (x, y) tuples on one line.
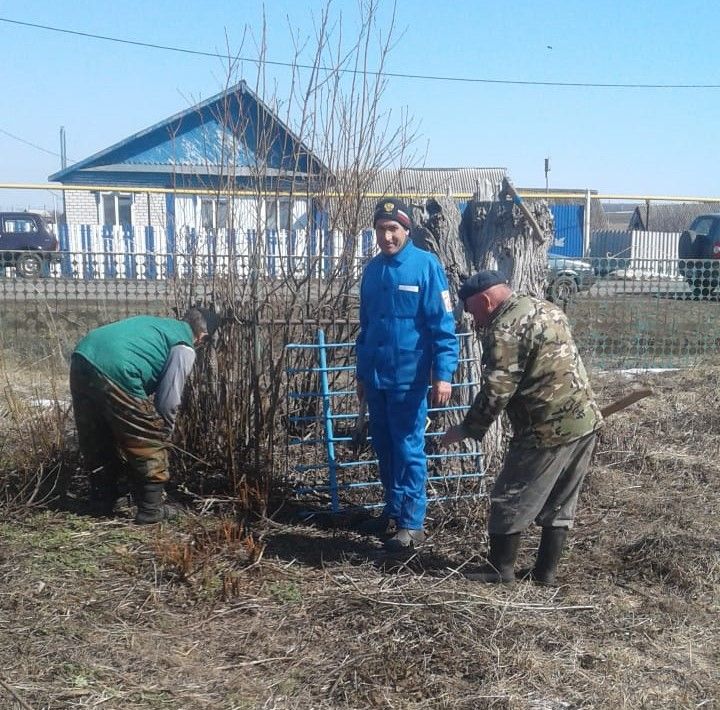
[(586, 224)]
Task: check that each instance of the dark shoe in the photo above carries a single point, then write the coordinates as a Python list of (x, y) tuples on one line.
[(150, 508), (552, 542), (501, 561), (103, 494), (376, 527), (405, 540)]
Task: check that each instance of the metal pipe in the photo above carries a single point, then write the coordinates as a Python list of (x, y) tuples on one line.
[(254, 193)]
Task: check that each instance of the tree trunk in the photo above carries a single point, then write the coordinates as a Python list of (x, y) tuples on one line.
[(490, 235)]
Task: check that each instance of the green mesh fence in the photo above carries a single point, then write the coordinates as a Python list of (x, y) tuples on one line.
[(644, 315), (625, 312)]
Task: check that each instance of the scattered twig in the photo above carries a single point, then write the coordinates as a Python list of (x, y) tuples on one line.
[(258, 662), (15, 695)]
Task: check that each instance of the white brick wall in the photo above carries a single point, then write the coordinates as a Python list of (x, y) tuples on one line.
[(152, 205), (81, 207)]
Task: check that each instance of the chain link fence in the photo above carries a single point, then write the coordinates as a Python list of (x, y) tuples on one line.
[(626, 311)]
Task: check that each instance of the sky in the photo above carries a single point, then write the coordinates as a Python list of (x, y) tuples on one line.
[(627, 141)]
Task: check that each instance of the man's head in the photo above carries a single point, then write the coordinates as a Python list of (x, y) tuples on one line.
[(203, 323), (482, 294), (392, 224)]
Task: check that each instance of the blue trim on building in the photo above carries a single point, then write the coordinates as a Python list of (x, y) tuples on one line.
[(194, 138)]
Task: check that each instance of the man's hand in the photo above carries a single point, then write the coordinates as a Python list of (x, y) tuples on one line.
[(441, 392), (453, 435)]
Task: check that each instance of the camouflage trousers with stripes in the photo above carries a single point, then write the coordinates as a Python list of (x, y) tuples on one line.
[(120, 436)]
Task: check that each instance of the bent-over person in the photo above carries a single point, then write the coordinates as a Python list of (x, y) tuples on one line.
[(126, 381), (532, 370)]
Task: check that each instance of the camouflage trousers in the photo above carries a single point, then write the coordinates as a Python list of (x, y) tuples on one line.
[(119, 435), (539, 484)]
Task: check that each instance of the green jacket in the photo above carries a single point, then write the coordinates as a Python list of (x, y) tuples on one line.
[(133, 352), (532, 370)]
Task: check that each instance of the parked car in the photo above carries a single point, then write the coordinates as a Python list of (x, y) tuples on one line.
[(566, 277), (27, 244), (699, 255)]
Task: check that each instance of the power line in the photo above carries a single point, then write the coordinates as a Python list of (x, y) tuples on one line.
[(394, 75), (32, 145)]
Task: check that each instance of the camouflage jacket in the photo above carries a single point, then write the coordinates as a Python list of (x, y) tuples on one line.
[(532, 369)]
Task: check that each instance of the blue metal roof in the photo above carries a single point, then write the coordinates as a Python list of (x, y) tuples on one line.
[(221, 131)]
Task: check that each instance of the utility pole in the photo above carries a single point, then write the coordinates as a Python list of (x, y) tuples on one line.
[(63, 149), (547, 170), (63, 165)]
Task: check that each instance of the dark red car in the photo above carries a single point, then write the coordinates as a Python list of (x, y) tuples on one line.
[(27, 244)]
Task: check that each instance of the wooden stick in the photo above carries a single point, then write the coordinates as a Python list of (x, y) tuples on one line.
[(517, 200), (12, 692), (626, 401)]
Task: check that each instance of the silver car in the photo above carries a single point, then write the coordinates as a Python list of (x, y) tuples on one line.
[(567, 276)]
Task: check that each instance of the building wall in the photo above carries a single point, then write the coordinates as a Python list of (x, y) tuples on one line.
[(149, 205), (80, 207)]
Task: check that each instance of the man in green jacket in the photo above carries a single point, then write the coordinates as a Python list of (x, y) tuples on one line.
[(531, 369), (114, 372)]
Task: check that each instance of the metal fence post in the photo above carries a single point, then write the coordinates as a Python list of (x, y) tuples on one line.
[(586, 224), (327, 421)]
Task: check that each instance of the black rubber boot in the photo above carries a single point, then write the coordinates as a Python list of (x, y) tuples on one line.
[(103, 494), (552, 542), (149, 500), (501, 561)]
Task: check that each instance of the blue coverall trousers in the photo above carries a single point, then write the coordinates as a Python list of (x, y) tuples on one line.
[(397, 427)]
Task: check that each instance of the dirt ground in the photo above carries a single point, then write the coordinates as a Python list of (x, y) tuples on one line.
[(207, 612)]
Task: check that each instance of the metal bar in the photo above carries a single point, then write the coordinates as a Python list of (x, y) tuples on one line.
[(370, 195), (298, 370), (330, 446), (375, 484)]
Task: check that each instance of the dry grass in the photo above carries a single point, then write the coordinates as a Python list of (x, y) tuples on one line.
[(213, 612)]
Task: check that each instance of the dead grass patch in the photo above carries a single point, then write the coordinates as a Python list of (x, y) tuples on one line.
[(227, 613)]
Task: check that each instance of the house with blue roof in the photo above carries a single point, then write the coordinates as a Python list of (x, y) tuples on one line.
[(178, 175), (224, 177)]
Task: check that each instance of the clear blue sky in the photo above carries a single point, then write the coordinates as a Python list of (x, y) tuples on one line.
[(615, 140)]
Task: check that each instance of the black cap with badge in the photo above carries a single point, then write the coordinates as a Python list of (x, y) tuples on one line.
[(393, 209)]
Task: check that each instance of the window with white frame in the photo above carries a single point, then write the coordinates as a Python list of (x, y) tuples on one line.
[(214, 213), (115, 208), (286, 214)]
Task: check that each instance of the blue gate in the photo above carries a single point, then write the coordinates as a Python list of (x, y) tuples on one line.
[(568, 233), (322, 416)]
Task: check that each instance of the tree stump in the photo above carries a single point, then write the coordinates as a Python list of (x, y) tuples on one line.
[(489, 235)]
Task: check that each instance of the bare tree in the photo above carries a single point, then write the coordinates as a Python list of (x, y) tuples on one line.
[(338, 135)]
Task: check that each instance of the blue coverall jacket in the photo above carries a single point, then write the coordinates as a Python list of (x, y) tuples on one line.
[(407, 337)]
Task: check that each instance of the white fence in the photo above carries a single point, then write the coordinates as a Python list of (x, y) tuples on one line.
[(654, 253), (143, 252), (104, 252), (638, 253)]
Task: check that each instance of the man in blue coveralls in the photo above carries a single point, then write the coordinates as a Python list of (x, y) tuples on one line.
[(406, 341)]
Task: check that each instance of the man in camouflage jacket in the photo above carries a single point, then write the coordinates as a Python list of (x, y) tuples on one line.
[(531, 369)]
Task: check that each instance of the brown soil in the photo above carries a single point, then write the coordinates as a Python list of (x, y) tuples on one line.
[(208, 613)]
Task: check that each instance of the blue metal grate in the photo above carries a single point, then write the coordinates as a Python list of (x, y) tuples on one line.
[(322, 415)]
